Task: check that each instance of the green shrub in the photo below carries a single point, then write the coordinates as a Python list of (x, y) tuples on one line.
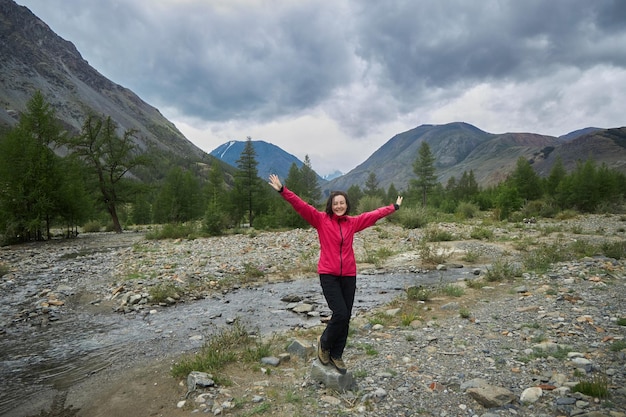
[(92, 226), (597, 386), (618, 346), (540, 259), (230, 345), (435, 234), (418, 293), (452, 290), (173, 231), (369, 203), (377, 256), (475, 284), (501, 271), (481, 233), (252, 271), (4, 269), (160, 293), (615, 250), (467, 210), (214, 223), (566, 215), (412, 218), (432, 254)]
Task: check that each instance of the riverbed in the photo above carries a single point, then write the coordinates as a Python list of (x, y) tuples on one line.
[(43, 354)]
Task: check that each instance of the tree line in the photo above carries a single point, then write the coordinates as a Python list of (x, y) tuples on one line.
[(52, 180)]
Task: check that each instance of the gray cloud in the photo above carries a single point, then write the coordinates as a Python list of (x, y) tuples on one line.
[(363, 62)]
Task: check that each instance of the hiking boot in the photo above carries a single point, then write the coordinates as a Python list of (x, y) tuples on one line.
[(322, 355), (339, 364)]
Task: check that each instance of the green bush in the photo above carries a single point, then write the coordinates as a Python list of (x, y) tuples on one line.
[(596, 386), (92, 226), (615, 250), (232, 344), (452, 290), (4, 269), (412, 218), (540, 259), (214, 223), (160, 293), (467, 210), (501, 271), (481, 233), (566, 214), (369, 203), (173, 231), (418, 293), (435, 234)]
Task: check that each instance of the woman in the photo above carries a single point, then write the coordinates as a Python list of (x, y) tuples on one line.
[(337, 264)]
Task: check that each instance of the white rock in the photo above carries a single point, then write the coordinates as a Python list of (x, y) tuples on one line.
[(531, 395)]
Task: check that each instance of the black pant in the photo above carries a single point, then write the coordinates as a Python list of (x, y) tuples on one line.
[(339, 294)]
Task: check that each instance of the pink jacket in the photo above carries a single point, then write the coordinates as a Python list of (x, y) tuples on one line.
[(335, 233)]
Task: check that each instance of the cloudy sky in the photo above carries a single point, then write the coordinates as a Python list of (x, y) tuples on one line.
[(337, 79)]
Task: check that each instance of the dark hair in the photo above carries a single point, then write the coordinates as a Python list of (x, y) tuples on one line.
[(329, 202)]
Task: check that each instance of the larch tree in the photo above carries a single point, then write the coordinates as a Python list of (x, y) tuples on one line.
[(110, 158), (31, 174)]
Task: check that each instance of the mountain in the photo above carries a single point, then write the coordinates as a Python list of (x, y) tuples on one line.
[(271, 159), (606, 146), (459, 147), (33, 57), (580, 132), (333, 175)]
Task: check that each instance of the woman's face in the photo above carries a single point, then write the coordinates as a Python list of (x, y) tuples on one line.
[(339, 205)]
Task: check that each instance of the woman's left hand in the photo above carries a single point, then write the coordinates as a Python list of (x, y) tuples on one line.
[(399, 200)]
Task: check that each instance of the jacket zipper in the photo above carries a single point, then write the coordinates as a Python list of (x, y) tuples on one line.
[(340, 249)]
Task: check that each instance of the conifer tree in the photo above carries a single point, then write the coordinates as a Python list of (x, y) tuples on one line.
[(312, 190), (30, 174), (424, 168), (248, 189)]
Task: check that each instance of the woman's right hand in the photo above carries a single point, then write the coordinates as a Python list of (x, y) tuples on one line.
[(275, 182)]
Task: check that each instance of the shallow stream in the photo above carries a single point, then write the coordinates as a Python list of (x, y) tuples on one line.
[(40, 360)]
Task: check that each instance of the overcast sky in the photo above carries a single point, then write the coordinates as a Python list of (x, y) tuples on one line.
[(337, 79)]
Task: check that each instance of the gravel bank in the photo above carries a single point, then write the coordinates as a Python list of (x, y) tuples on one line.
[(531, 339)]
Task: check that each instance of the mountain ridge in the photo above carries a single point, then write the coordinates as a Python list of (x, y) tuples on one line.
[(33, 57), (271, 159)]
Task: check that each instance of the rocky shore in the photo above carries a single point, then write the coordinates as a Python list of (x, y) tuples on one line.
[(512, 347)]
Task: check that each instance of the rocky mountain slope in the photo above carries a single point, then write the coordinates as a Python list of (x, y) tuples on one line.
[(459, 147), (33, 57)]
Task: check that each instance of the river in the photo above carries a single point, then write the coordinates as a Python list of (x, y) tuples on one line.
[(37, 361)]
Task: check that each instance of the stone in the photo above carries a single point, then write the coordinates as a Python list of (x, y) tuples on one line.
[(330, 377), (531, 395), (490, 396), (303, 308), (301, 349), (270, 360), (197, 379)]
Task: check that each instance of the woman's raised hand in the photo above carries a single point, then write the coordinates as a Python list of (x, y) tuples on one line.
[(275, 182), (399, 200)]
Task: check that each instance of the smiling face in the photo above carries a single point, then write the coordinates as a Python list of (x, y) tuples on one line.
[(339, 205)]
